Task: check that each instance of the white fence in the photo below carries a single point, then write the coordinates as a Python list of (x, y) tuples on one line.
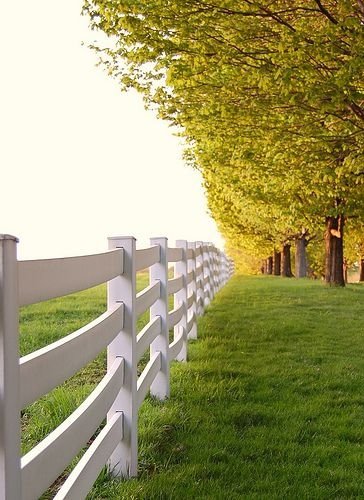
[(199, 271)]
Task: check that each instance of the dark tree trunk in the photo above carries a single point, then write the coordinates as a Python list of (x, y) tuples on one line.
[(345, 270), (334, 251), (301, 257), (277, 263), (286, 270), (269, 265), (264, 266), (361, 269)]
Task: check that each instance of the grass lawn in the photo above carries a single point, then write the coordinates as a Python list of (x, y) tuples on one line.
[(270, 404)]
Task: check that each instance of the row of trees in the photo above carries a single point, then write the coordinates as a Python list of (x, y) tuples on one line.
[(270, 99)]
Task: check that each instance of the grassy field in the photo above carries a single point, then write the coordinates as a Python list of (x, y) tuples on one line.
[(270, 404)]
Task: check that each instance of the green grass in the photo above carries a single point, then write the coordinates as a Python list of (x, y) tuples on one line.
[(41, 324), (270, 404)]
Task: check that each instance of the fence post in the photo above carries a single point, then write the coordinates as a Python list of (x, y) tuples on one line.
[(219, 269), (214, 270), (200, 279), (222, 267), (231, 268), (10, 483), (216, 274), (193, 289), (207, 271), (180, 269), (226, 269), (124, 460), (160, 386), (212, 285)]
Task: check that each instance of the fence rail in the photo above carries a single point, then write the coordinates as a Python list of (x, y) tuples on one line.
[(200, 270)]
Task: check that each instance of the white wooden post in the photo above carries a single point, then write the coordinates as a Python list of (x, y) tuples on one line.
[(231, 268), (218, 269), (215, 275), (124, 460), (211, 265), (227, 275), (206, 265), (10, 484), (222, 266), (226, 264), (223, 269), (180, 269), (213, 269), (200, 285), (192, 289), (160, 386)]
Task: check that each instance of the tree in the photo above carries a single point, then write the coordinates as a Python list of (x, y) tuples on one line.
[(257, 89)]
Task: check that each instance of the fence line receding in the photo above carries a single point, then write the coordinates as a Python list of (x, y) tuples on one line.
[(200, 270)]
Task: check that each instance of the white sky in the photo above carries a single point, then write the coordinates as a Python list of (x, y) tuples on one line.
[(79, 161)]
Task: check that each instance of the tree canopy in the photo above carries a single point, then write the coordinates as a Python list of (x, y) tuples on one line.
[(270, 99)]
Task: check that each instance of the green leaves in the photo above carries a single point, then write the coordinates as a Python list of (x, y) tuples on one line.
[(269, 96)]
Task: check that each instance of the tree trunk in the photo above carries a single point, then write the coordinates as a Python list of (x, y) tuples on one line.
[(334, 251), (300, 257), (269, 265), (264, 266), (286, 270), (276, 263), (361, 269), (345, 271)]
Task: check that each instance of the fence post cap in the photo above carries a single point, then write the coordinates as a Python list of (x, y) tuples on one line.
[(121, 238), (8, 237)]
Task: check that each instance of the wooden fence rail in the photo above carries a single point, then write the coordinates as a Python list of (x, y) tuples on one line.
[(200, 270)]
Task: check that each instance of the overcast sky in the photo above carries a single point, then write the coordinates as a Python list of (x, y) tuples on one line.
[(79, 160)]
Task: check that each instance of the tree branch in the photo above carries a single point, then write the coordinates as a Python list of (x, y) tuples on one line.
[(357, 110), (326, 13)]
